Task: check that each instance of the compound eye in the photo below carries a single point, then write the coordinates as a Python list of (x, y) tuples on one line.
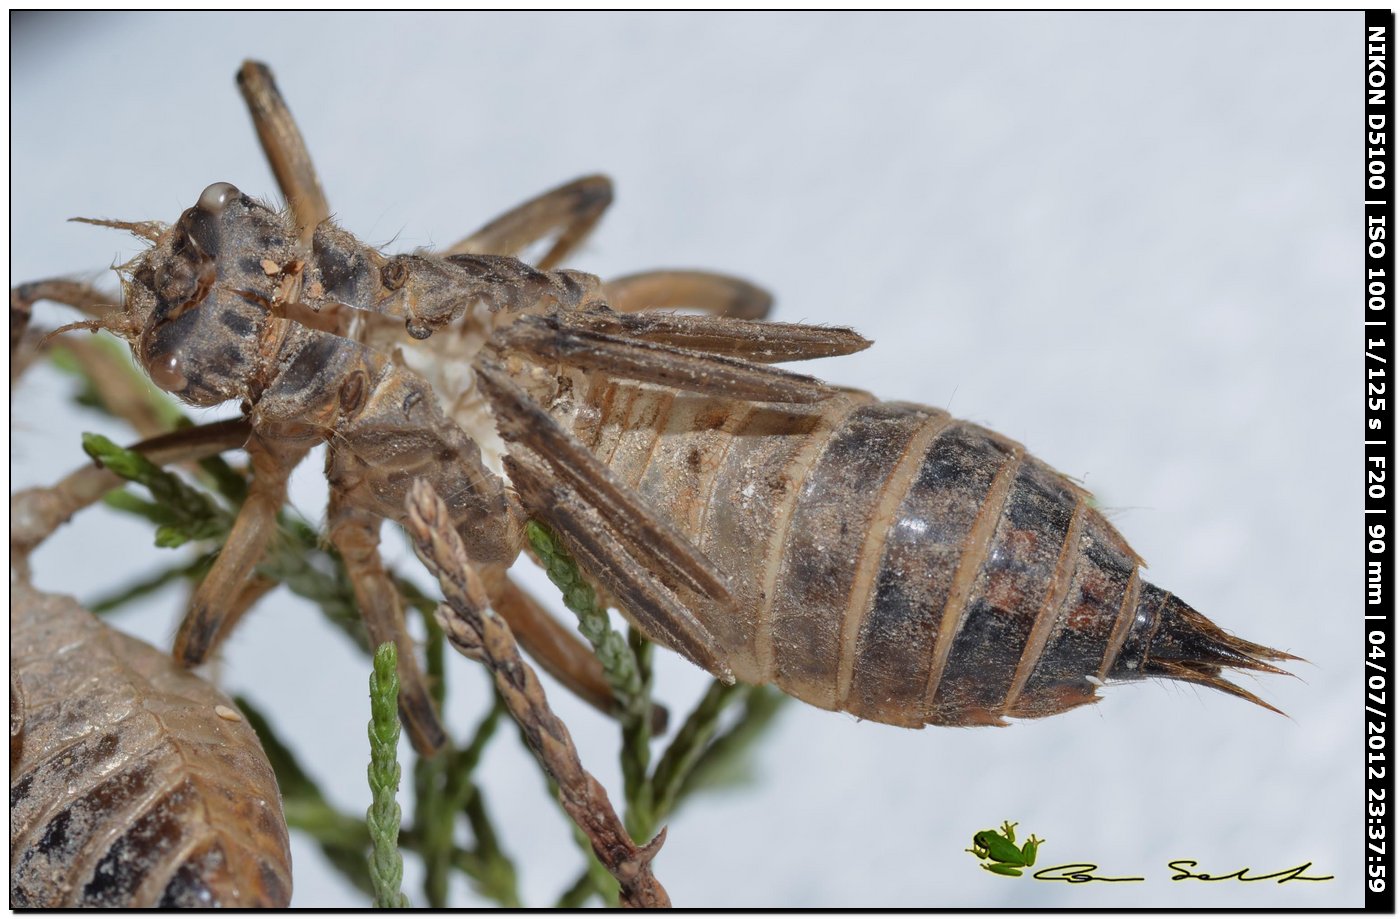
[(216, 197), (166, 372)]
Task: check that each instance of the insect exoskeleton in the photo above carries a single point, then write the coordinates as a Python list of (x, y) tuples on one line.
[(129, 787), (881, 558)]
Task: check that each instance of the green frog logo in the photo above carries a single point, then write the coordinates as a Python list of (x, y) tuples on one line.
[(998, 851)]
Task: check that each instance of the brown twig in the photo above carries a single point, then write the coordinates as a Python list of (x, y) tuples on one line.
[(474, 629)]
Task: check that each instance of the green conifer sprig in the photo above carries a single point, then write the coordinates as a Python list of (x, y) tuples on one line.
[(385, 862)]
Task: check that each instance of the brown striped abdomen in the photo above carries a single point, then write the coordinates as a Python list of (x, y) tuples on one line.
[(897, 563), (133, 782)]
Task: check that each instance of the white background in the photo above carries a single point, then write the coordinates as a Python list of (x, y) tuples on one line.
[(1130, 241)]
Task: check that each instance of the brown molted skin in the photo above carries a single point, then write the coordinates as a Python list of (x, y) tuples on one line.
[(878, 558), (128, 789), (884, 558)]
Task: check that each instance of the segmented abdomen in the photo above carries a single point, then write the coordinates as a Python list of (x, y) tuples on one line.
[(133, 783), (897, 563)]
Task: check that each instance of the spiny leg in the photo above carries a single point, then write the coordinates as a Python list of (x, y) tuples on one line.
[(355, 534), (718, 294), (216, 606), (571, 209), (285, 149)]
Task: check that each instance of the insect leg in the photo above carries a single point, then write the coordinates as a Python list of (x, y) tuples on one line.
[(555, 647), (719, 294), (553, 338), (285, 149), (355, 534), (36, 512), (83, 297), (571, 209), (215, 607)]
